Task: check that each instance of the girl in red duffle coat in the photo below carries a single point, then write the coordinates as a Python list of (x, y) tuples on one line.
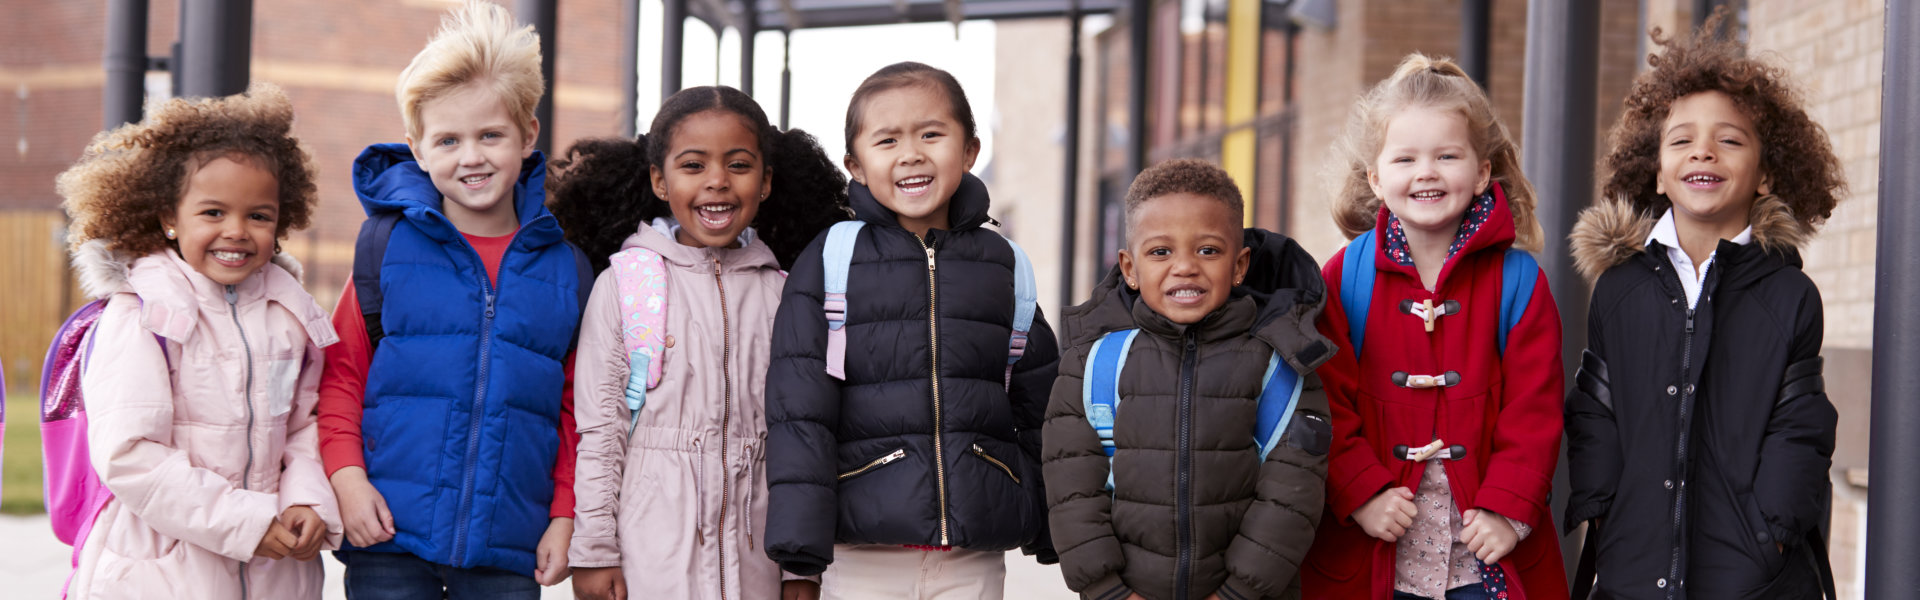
[(1446, 392)]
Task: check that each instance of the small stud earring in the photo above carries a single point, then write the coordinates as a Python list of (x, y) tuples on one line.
[(276, 247), (170, 233)]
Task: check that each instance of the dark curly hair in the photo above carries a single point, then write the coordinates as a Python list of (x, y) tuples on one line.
[(601, 192), (1185, 175), (1794, 150), (131, 178)]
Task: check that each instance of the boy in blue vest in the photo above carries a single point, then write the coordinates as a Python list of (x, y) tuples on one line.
[(445, 425), (1201, 472)]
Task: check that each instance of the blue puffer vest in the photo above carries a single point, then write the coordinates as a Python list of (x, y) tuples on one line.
[(463, 396)]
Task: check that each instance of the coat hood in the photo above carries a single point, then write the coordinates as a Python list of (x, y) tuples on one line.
[(1282, 282), (1611, 231), (387, 178), (753, 255), (966, 210), (169, 289)]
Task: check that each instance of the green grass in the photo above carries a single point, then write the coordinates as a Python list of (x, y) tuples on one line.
[(21, 474)]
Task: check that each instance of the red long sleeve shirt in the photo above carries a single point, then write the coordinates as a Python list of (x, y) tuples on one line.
[(343, 388)]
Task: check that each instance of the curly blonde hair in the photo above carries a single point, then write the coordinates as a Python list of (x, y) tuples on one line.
[(1421, 80), (1794, 149), (477, 44), (131, 178)]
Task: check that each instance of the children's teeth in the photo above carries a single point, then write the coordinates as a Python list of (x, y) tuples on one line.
[(1186, 293), (229, 256), (716, 208), (912, 181), (473, 178), (1428, 194)]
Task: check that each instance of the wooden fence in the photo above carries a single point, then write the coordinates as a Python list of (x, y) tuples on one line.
[(37, 290)]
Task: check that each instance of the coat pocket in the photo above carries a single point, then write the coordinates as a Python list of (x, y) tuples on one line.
[(889, 458), (283, 380)]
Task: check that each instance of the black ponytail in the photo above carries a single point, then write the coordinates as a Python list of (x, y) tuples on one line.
[(601, 190)]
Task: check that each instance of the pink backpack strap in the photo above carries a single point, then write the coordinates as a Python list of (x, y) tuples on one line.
[(640, 277)]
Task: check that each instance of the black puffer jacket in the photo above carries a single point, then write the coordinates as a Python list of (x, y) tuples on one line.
[(1699, 439), (1194, 511), (925, 443)]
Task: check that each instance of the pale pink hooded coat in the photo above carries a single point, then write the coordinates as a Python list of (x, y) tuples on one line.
[(205, 444), (681, 503)]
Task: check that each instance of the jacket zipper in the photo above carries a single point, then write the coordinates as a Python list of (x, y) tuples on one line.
[(1183, 567), (233, 308), (982, 453), (897, 454), (933, 353), (726, 421), (1685, 411), (463, 518)]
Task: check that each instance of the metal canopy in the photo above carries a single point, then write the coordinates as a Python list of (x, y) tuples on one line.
[(816, 14)]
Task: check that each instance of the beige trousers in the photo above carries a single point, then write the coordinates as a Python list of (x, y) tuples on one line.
[(880, 572)]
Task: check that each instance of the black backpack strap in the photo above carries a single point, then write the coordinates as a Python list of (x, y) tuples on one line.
[(583, 267), (1818, 543), (369, 253), (1584, 574)]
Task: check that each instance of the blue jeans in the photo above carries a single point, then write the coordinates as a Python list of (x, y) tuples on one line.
[(1473, 591), (389, 576)]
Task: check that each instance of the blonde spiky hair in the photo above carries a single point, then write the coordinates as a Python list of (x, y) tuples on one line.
[(478, 44)]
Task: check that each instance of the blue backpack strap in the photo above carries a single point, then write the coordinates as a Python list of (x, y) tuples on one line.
[(1100, 387), (1279, 396), (1026, 300), (1356, 286), (1518, 275), (369, 253), (837, 258)]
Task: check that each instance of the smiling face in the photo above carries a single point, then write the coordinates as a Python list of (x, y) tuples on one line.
[(1710, 160), (1427, 171), (1184, 254), (471, 147), (226, 220), (714, 178), (911, 152)]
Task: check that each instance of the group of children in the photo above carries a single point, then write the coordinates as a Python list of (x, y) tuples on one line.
[(701, 363)]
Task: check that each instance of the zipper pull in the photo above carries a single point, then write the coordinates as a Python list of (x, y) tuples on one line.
[(930, 265), (233, 296), (1690, 320), (489, 305)]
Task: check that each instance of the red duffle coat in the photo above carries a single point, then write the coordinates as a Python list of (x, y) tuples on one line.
[(1506, 411)]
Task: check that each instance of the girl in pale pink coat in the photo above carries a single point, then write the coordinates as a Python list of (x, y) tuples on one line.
[(202, 372), (670, 490)]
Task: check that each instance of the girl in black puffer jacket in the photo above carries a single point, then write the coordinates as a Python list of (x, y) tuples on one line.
[(918, 460)]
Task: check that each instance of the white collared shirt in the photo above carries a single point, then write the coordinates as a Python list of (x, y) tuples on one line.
[(1668, 235)]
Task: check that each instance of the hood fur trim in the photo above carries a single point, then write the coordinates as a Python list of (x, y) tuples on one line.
[(104, 272), (1611, 231)]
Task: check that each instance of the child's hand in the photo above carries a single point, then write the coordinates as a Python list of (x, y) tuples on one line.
[(308, 531), (799, 589), (1488, 535), (1388, 515), (277, 543), (362, 509), (550, 559), (603, 583)]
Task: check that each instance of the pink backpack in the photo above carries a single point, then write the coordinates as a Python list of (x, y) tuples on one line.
[(640, 276), (74, 492)]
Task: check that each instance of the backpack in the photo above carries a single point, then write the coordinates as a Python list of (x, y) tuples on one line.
[(74, 492), (1100, 394), (837, 258), (1518, 274), (640, 276), (370, 251)]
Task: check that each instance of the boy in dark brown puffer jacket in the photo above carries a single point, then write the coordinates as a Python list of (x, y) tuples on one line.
[(1193, 510)]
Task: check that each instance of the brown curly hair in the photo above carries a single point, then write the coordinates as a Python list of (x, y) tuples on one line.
[(132, 177), (1184, 175), (1421, 80), (1794, 151)]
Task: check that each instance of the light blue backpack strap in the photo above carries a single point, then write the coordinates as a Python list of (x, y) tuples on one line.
[(1100, 387), (1356, 286), (1279, 396), (837, 258), (1026, 300), (1518, 275)]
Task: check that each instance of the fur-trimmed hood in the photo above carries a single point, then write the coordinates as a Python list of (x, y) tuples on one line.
[(103, 272), (1611, 231), (170, 291)]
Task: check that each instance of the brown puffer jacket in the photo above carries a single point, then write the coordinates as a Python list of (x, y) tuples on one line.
[(1194, 510)]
